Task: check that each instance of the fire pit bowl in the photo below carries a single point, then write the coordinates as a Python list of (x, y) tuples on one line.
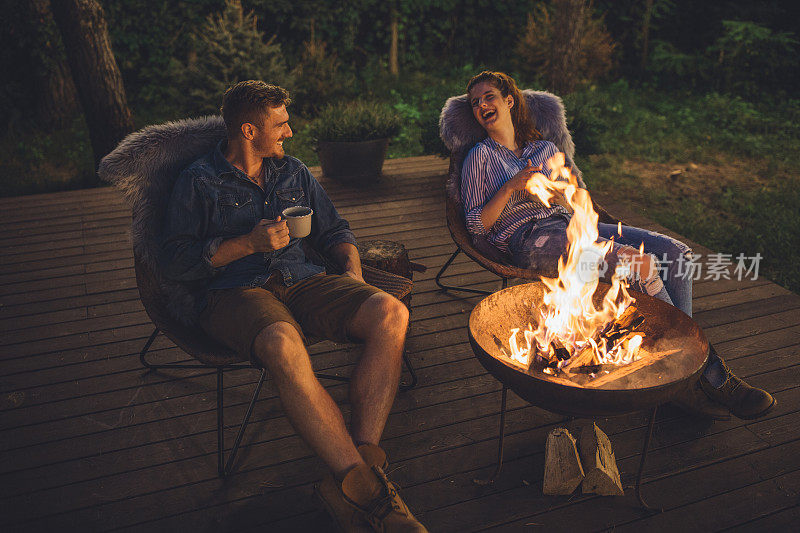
[(666, 330)]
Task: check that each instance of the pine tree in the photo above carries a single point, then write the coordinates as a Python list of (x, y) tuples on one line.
[(229, 48)]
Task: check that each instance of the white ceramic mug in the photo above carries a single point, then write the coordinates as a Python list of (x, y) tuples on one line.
[(298, 220)]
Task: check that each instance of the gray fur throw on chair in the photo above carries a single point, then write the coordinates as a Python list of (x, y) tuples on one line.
[(144, 167), (460, 131)]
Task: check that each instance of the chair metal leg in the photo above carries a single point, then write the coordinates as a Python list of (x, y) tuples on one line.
[(220, 425), (333, 377), (413, 373), (232, 455), (501, 436), (454, 287), (223, 468), (403, 386), (146, 347)]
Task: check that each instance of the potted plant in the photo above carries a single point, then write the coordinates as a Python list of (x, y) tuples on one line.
[(351, 139)]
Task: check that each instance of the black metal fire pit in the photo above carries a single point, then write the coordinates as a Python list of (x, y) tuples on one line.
[(666, 330)]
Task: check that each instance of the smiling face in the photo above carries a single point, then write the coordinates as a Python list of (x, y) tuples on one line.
[(491, 109), (267, 139)]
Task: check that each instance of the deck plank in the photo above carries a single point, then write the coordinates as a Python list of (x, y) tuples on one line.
[(91, 441)]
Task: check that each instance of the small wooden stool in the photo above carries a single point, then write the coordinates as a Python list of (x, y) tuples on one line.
[(391, 257)]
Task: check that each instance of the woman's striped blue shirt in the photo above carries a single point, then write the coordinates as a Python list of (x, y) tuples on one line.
[(486, 168)]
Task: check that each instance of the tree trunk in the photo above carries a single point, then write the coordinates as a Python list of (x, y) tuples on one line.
[(569, 16), (394, 67), (56, 98), (95, 72), (648, 15)]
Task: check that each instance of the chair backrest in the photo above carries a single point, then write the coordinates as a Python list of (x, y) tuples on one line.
[(460, 132), (144, 167), (477, 248)]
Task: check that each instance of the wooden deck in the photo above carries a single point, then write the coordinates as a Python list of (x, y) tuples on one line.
[(92, 442)]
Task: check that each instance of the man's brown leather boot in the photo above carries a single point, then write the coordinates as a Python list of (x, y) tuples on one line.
[(367, 498), (696, 402), (346, 517), (374, 455), (369, 490)]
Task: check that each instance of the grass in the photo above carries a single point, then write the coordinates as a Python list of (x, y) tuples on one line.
[(738, 190), (735, 214)]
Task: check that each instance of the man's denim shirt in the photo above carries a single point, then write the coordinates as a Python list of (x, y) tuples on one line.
[(213, 201)]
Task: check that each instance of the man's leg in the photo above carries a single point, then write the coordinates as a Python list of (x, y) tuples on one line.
[(340, 308), (381, 322), (309, 407)]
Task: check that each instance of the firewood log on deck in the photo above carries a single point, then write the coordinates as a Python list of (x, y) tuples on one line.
[(599, 464), (562, 466), (389, 256)]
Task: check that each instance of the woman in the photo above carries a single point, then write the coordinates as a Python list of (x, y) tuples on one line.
[(498, 207)]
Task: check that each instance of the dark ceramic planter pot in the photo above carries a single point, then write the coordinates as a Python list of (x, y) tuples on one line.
[(352, 162)]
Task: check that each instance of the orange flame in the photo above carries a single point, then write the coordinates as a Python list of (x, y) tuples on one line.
[(568, 315)]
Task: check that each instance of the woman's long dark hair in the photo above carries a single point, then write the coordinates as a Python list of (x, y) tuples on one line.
[(524, 128)]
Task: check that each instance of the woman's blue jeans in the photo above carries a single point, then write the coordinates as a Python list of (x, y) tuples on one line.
[(538, 246)]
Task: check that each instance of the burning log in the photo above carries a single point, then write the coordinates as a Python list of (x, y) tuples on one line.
[(584, 358), (599, 464), (592, 369), (614, 333), (622, 371), (562, 466), (558, 351), (629, 320)]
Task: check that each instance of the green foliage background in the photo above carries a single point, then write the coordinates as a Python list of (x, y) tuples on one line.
[(355, 121), (718, 84)]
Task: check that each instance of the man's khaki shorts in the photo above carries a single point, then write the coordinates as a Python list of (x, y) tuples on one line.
[(320, 306)]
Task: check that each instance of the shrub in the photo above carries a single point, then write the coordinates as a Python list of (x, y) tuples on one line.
[(540, 51), (355, 121), (673, 68), (229, 48), (747, 59), (749, 55), (584, 121), (318, 80), (419, 98), (429, 133)]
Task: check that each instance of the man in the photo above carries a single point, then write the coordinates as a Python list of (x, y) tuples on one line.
[(223, 230)]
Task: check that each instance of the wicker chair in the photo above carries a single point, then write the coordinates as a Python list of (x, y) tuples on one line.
[(460, 133), (144, 167)]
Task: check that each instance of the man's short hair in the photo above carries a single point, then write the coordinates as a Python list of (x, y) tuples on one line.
[(249, 101)]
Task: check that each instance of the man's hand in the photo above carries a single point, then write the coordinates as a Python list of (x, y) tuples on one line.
[(269, 235), (346, 256), (266, 236)]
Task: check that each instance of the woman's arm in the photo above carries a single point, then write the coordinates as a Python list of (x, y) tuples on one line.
[(482, 211), (494, 207)]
